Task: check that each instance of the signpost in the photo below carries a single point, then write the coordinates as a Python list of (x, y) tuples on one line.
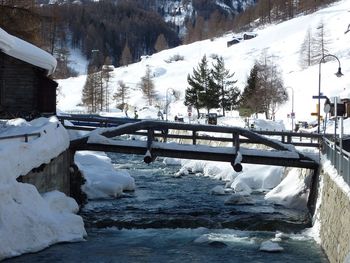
[(189, 112)]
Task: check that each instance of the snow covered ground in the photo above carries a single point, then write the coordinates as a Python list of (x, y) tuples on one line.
[(29, 221)]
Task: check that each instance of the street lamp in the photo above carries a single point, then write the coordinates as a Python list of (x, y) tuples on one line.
[(166, 101), (338, 74), (292, 114)]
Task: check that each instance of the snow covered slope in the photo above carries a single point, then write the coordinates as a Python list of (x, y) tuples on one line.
[(280, 41)]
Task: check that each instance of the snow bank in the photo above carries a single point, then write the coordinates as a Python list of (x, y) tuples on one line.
[(293, 191), (258, 177), (253, 177), (18, 157), (102, 179), (30, 222), (260, 124)]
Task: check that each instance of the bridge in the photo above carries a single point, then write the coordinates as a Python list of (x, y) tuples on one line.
[(152, 138)]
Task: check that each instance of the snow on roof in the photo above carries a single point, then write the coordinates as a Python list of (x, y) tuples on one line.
[(26, 52)]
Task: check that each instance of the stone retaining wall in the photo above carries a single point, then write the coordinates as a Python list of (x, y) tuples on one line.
[(53, 176), (334, 213)]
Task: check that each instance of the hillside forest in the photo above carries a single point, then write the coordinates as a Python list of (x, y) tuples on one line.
[(123, 31)]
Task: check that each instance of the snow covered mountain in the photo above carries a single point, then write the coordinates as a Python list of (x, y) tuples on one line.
[(177, 11), (281, 41)]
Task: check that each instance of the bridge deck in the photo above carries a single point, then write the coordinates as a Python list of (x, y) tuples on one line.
[(274, 153), (203, 152)]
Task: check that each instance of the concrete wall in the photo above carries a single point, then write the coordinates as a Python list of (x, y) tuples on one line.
[(53, 176), (335, 220)]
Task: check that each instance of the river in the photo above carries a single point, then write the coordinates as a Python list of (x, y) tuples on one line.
[(176, 219)]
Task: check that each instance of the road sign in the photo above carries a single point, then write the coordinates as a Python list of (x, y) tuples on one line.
[(189, 114), (292, 115)]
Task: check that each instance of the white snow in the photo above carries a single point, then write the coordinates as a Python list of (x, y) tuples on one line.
[(281, 41), (218, 190), (18, 158), (293, 191), (102, 179), (30, 222), (269, 246), (22, 50)]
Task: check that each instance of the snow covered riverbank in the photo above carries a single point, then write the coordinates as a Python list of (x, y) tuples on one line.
[(29, 221), (32, 222)]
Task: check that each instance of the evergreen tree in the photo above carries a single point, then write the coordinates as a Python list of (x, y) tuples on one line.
[(202, 92), (225, 85), (147, 86), (250, 100)]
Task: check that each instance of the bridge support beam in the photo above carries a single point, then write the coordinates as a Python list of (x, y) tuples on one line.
[(148, 158)]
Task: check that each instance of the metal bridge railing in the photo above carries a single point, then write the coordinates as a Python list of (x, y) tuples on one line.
[(19, 136), (339, 158)]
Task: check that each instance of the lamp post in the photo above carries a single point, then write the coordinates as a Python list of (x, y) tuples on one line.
[(292, 113), (338, 74), (166, 102)]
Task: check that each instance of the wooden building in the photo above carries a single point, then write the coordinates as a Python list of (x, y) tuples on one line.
[(26, 89)]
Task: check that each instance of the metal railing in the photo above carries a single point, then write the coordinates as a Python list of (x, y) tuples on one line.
[(24, 136), (339, 158)]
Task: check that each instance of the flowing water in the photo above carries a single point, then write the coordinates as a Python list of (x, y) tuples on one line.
[(176, 219)]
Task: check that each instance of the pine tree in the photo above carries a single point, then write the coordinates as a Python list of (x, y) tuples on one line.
[(147, 86), (225, 85), (250, 101), (202, 92)]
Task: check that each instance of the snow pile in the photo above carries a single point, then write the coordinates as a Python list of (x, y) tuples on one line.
[(258, 177), (30, 222), (261, 124), (293, 191), (18, 157), (102, 180)]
